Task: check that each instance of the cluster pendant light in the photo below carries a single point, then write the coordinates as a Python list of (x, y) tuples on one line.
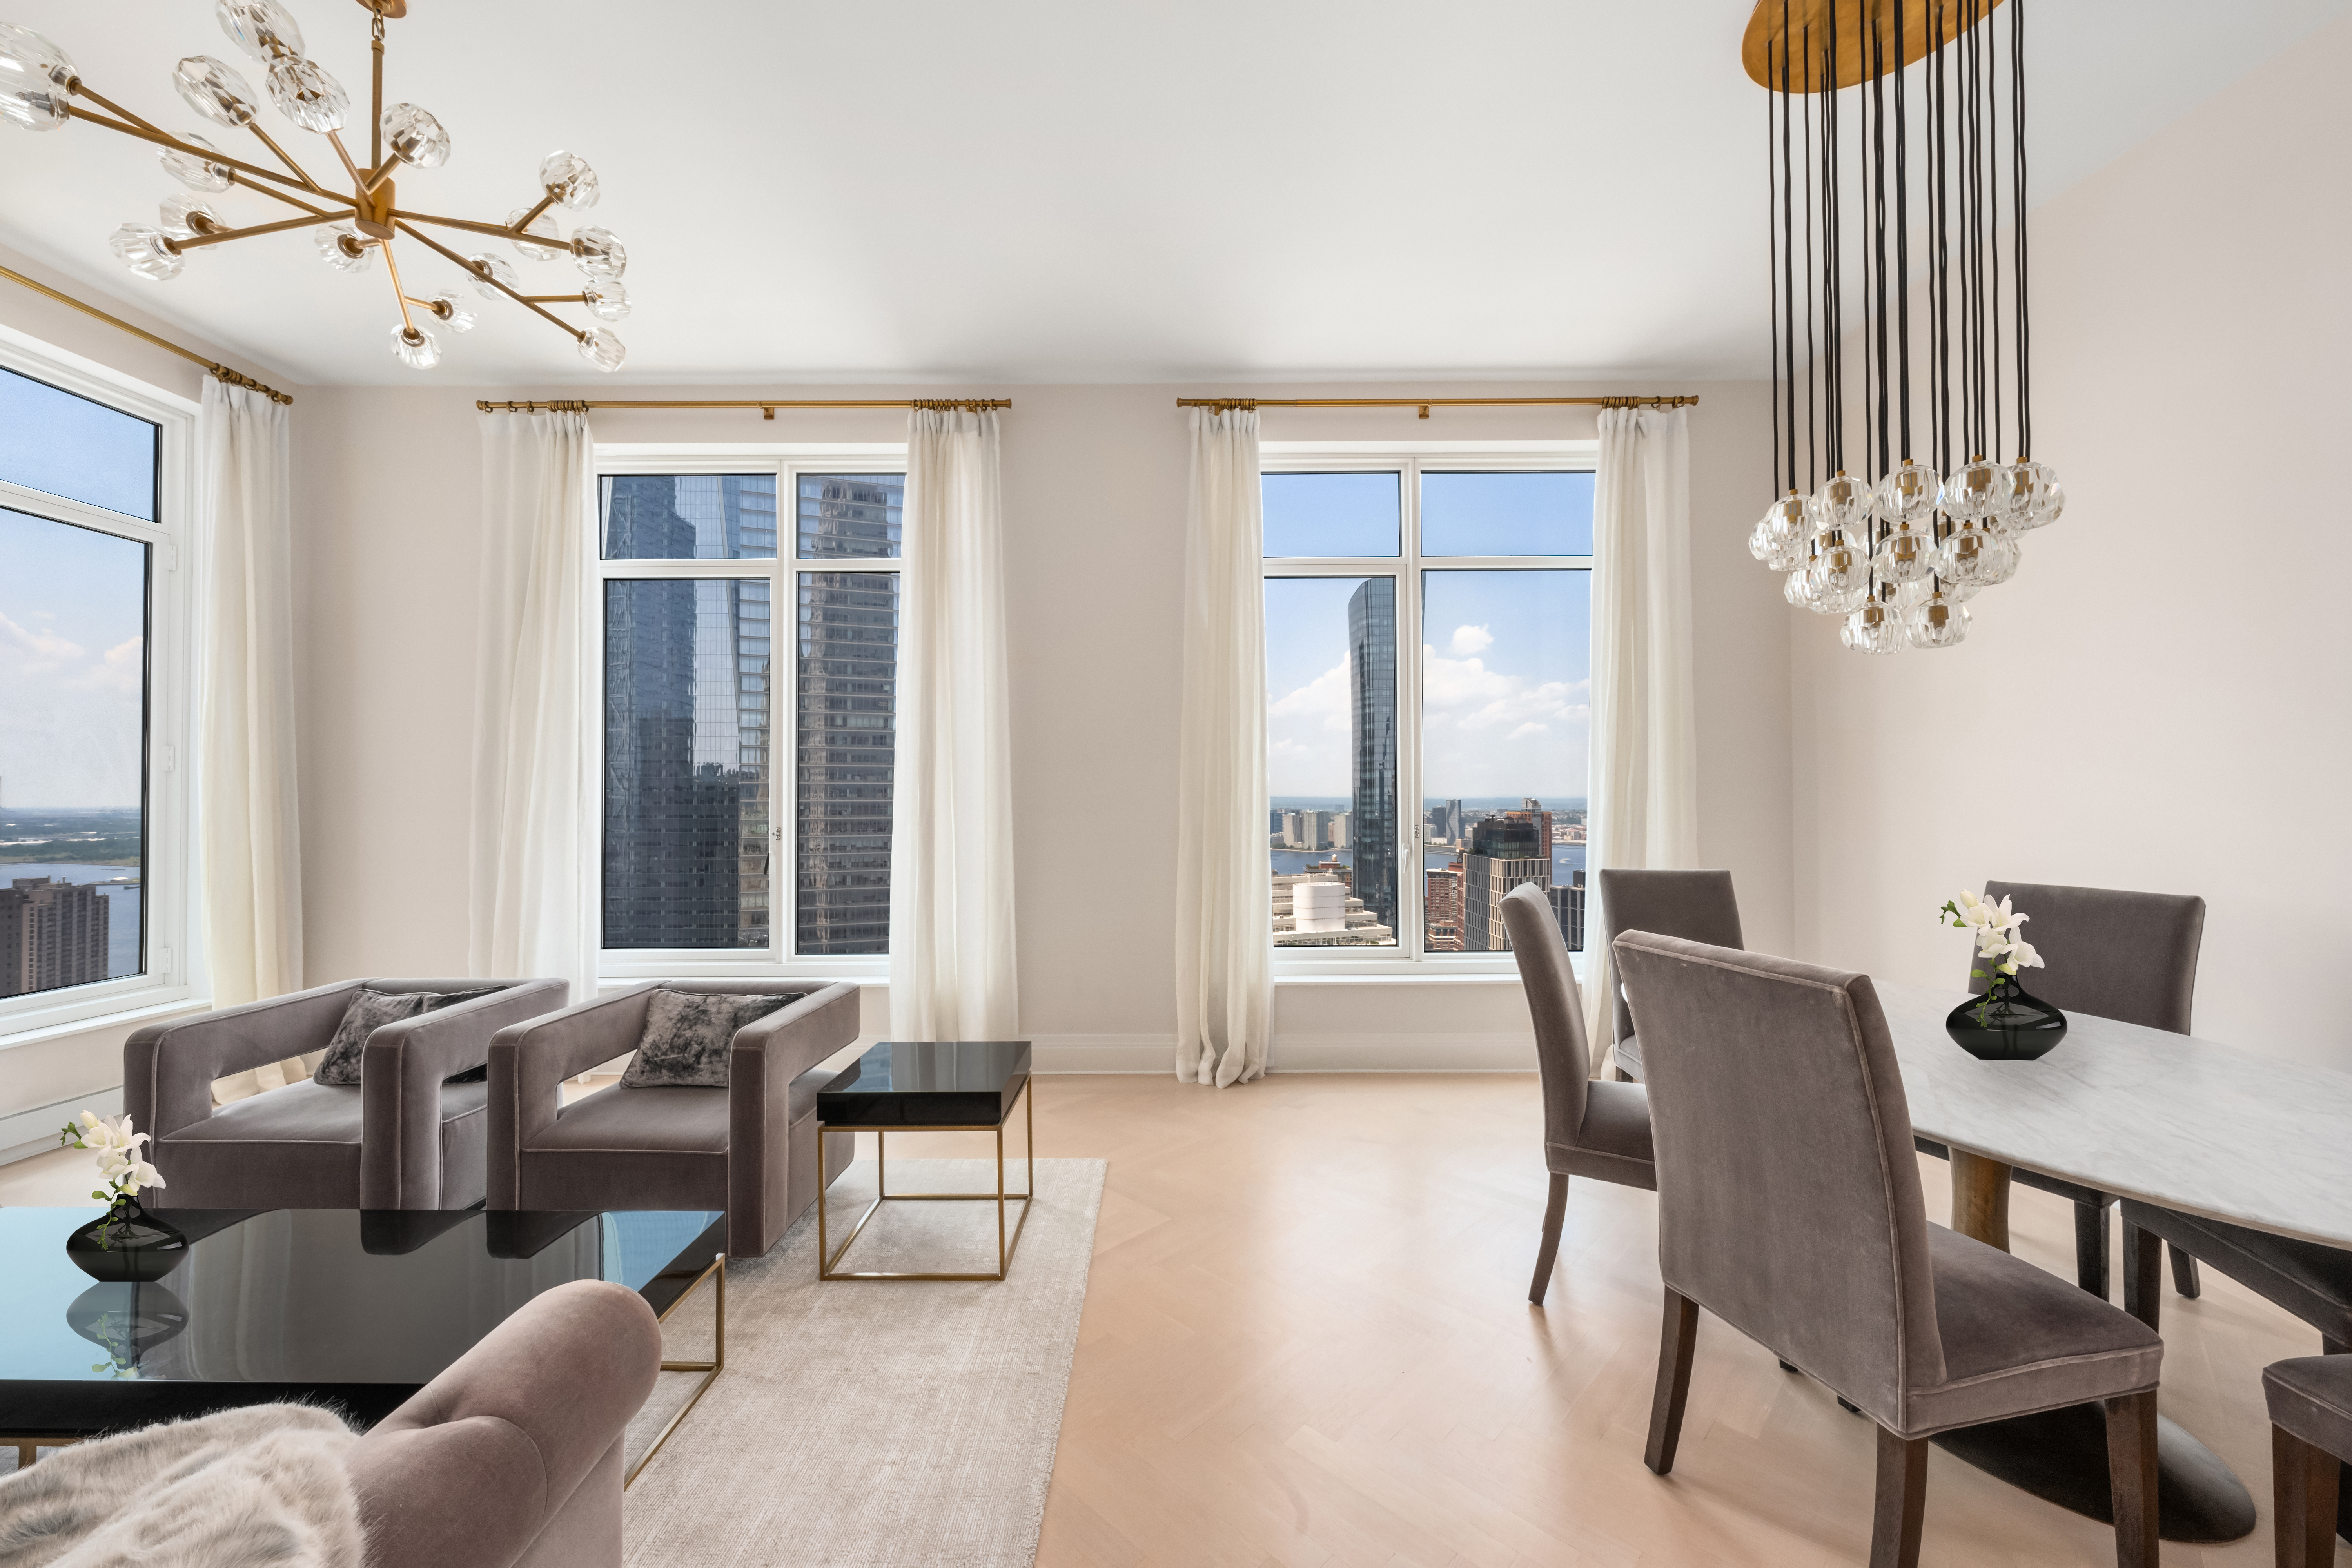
[(38, 86), (1893, 532)]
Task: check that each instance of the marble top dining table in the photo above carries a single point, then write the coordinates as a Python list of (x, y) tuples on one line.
[(2173, 1120)]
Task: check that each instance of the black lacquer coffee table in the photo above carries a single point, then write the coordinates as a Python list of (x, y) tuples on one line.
[(929, 1086), (355, 1309)]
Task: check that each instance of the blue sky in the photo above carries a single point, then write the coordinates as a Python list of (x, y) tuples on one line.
[(1506, 653), (67, 446), (72, 664)]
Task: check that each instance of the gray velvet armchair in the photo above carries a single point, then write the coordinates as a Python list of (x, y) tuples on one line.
[(401, 1139), (750, 1148), (512, 1457)]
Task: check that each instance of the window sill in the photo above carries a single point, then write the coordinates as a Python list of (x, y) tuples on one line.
[(32, 1028), (1392, 971)]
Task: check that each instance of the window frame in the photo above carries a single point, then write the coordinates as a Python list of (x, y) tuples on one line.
[(173, 977), (787, 462), (1410, 460)]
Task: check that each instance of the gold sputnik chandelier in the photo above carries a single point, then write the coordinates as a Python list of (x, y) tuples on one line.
[(39, 86)]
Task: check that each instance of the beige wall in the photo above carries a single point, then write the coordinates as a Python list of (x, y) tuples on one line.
[(2157, 700), (1093, 489)]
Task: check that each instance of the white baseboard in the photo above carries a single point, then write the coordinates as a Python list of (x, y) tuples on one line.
[(34, 1131), (1296, 1053)]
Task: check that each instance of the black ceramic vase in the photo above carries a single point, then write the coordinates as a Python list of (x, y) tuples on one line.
[(2005, 1024), (126, 1244)]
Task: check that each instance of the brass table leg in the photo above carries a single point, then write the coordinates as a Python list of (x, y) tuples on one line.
[(709, 1369), (1981, 1198)]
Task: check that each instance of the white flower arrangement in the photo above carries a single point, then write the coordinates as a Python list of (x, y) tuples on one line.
[(1998, 942), (119, 1162)]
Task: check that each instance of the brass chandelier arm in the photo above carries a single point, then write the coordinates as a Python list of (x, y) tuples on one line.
[(290, 201), (407, 321), (81, 89), (219, 371), (531, 216), (222, 236), (301, 176), (496, 231), (335, 139), (468, 268), (146, 134)]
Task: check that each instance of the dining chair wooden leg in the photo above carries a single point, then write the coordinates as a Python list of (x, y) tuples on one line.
[(2131, 1477), (2091, 1248), (2304, 1482), (1677, 1337), (1555, 1210), (2184, 1274), (2144, 1275), (1902, 1504)]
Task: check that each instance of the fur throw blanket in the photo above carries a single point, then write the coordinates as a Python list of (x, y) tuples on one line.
[(262, 1487)]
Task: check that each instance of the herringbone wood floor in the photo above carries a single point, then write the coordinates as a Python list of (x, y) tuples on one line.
[(1306, 1341)]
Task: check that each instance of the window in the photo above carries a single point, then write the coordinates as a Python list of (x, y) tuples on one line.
[(1407, 794), (719, 853), (94, 650)]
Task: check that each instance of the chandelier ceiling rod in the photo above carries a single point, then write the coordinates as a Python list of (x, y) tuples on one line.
[(220, 372)]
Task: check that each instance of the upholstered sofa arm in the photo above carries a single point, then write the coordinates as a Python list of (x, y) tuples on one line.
[(168, 1068), (401, 1071), (529, 1063), (761, 1066), (470, 1471)]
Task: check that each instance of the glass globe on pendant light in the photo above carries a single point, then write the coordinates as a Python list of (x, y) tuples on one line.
[(180, 216), (1907, 554), (1971, 491), (35, 79), (606, 301), (1842, 502), (263, 30), (1907, 493), (214, 89), (197, 173), (1841, 575), (1977, 557), (1937, 621), (600, 254), (306, 95), (567, 178), (146, 251), (487, 266), (413, 136), (2028, 496), (341, 246), (1875, 626), (415, 347), (453, 311), (544, 224), (1797, 588), (602, 350)]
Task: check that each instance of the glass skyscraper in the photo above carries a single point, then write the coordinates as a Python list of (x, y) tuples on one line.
[(1373, 692)]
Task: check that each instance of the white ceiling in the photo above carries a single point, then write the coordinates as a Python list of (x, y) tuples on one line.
[(1065, 190)]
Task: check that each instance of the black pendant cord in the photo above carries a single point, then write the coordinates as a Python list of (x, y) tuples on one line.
[(1902, 250), (1788, 256), (1832, 292), (1878, 223), (2017, 206), (1812, 363), (1773, 270), (1940, 160), (1992, 233)]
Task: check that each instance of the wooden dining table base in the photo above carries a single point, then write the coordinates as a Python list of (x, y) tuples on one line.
[(2061, 1456)]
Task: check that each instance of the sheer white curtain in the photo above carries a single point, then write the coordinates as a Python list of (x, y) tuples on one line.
[(528, 903), (1224, 901), (247, 824), (1644, 745), (952, 971)]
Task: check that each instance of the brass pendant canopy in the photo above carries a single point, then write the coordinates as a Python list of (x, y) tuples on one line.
[(1773, 25)]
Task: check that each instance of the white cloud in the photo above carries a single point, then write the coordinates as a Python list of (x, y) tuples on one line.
[(1524, 730), (1469, 640), (69, 721), (1325, 696), (46, 646)]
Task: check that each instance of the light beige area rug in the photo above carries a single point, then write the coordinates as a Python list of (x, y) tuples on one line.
[(875, 1422)]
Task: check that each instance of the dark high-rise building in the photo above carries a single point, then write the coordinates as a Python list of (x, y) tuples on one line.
[(1442, 909), (1568, 908), (1505, 849), (52, 933), (686, 806), (1371, 687), (847, 721)]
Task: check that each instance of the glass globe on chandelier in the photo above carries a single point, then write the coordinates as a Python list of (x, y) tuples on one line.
[(1891, 543), (39, 88)]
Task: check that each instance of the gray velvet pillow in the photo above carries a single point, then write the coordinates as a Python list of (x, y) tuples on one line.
[(688, 1035), (370, 1011)]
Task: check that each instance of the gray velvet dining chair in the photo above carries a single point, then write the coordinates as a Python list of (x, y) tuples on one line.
[(2310, 1401), (2113, 954), (1600, 1131), (1697, 905), (1789, 1206)]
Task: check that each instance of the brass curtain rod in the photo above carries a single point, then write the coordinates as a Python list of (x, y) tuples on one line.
[(1227, 405), (766, 405), (220, 372)]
